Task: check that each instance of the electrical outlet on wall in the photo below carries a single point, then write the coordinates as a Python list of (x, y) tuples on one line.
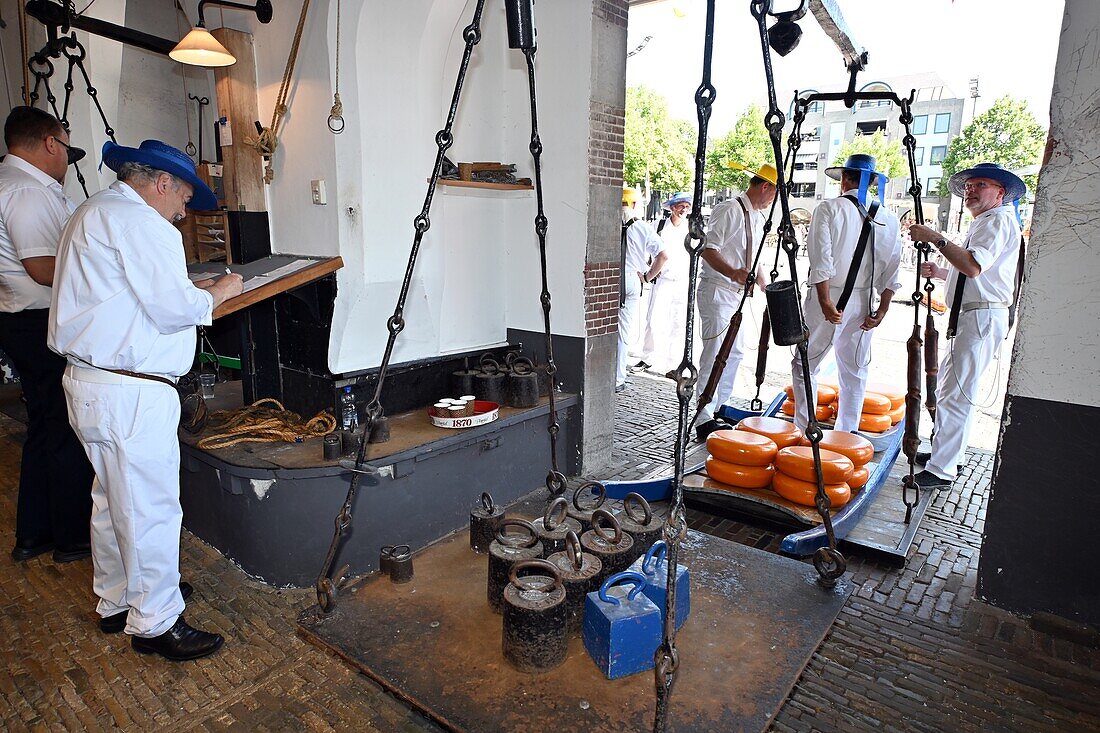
[(320, 196)]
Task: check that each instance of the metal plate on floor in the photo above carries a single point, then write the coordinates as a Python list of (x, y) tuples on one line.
[(756, 620)]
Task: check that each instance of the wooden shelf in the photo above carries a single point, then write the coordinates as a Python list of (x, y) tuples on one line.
[(482, 184)]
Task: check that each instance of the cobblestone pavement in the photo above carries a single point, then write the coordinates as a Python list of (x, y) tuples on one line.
[(912, 650)]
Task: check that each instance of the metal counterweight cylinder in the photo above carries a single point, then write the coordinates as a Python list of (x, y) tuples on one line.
[(484, 522), (504, 552), (613, 546), (638, 521), (534, 637), (583, 514), (555, 525), (579, 574), (783, 313)]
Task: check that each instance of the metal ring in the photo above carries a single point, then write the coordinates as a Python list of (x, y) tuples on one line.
[(555, 480), (573, 550), (601, 495), (332, 123), (555, 514), (627, 575), (514, 579), (522, 365), (608, 517), (488, 364), (502, 538), (397, 552), (632, 499), (326, 594), (656, 554), (190, 148), (830, 564), (487, 502)]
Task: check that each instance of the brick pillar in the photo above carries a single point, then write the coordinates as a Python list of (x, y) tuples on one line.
[(606, 115)]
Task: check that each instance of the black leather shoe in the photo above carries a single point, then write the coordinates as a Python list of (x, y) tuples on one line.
[(179, 643), (117, 622), (929, 480), (704, 430), (923, 458), (26, 550), (72, 554)]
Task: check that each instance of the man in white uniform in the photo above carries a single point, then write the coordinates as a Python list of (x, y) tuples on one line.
[(838, 315), (124, 315), (643, 257), (663, 343), (55, 479), (734, 232), (982, 283)]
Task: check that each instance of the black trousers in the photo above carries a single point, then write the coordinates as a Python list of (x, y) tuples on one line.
[(55, 481)]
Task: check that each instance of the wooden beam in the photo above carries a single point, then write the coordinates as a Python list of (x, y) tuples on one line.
[(283, 284), (236, 91)]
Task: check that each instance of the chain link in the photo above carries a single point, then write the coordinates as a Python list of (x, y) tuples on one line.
[(326, 588)]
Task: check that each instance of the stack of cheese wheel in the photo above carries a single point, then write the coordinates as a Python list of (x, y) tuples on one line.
[(896, 397), (857, 448), (740, 458), (826, 402), (796, 478)]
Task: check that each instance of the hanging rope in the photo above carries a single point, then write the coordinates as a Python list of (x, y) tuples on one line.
[(336, 114), (25, 53), (261, 423), (268, 140)]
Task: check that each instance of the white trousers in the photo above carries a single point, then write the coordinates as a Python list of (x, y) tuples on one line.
[(630, 314), (129, 432), (853, 355), (717, 305), (663, 344), (969, 354)]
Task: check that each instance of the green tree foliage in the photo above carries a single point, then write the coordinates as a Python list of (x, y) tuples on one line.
[(747, 143), (1006, 133), (656, 147), (888, 156)]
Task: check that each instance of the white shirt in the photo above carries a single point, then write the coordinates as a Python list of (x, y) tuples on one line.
[(676, 266), (726, 233), (121, 297), (994, 240), (642, 245), (33, 211), (831, 245)]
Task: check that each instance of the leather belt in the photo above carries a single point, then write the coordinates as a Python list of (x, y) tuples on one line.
[(98, 375), (983, 305)]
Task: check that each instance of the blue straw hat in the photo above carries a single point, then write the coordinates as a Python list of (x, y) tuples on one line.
[(683, 197), (1013, 184), (864, 165), (163, 157)]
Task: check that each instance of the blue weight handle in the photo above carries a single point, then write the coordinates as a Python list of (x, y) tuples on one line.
[(656, 555), (627, 575)]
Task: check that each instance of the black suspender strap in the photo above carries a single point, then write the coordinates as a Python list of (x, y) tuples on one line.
[(956, 306), (622, 262), (1017, 284), (866, 236), (748, 241)]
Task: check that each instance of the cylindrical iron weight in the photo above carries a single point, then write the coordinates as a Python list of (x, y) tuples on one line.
[(607, 541), (554, 525), (783, 313), (583, 514), (534, 637), (638, 521), (484, 522), (505, 551), (521, 23), (579, 571)]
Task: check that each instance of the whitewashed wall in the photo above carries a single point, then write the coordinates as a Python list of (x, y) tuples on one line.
[(1055, 355)]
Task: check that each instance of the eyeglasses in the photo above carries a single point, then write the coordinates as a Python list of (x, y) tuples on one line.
[(73, 153), (978, 185)]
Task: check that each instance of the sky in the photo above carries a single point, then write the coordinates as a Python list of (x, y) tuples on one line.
[(1009, 45)]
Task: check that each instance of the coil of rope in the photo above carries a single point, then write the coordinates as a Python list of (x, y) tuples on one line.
[(261, 423)]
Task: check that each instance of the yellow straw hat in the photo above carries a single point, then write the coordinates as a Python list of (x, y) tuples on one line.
[(630, 196), (766, 171)]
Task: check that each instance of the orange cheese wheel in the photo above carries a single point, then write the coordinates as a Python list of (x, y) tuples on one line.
[(821, 412), (856, 447), (894, 394), (780, 431), (803, 492), (798, 461), (859, 477), (826, 394), (897, 414), (741, 447), (876, 404), (744, 477), (874, 423)]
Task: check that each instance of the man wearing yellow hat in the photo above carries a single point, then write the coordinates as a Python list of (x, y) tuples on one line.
[(736, 227), (643, 256)]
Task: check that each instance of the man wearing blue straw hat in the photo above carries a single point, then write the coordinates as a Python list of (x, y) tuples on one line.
[(983, 282), (855, 252), (663, 339), (124, 314)]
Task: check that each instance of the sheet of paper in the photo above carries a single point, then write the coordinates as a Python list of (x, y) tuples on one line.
[(278, 272)]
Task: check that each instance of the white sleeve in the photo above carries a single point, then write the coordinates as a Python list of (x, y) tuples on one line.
[(654, 244), (888, 258), (156, 271), (819, 246), (34, 218), (722, 226)]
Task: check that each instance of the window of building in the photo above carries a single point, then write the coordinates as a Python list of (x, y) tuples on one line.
[(815, 108), (939, 152), (803, 190), (870, 127), (918, 155), (933, 187), (943, 122), (920, 124)]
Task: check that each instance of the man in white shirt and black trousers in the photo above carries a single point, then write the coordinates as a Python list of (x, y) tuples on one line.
[(855, 252), (983, 282), (124, 314), (55, 478)]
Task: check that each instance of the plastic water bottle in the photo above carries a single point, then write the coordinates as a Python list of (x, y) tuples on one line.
[(349, 418)]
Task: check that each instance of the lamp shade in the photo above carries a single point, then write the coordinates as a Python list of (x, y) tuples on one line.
[(199, 48)]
